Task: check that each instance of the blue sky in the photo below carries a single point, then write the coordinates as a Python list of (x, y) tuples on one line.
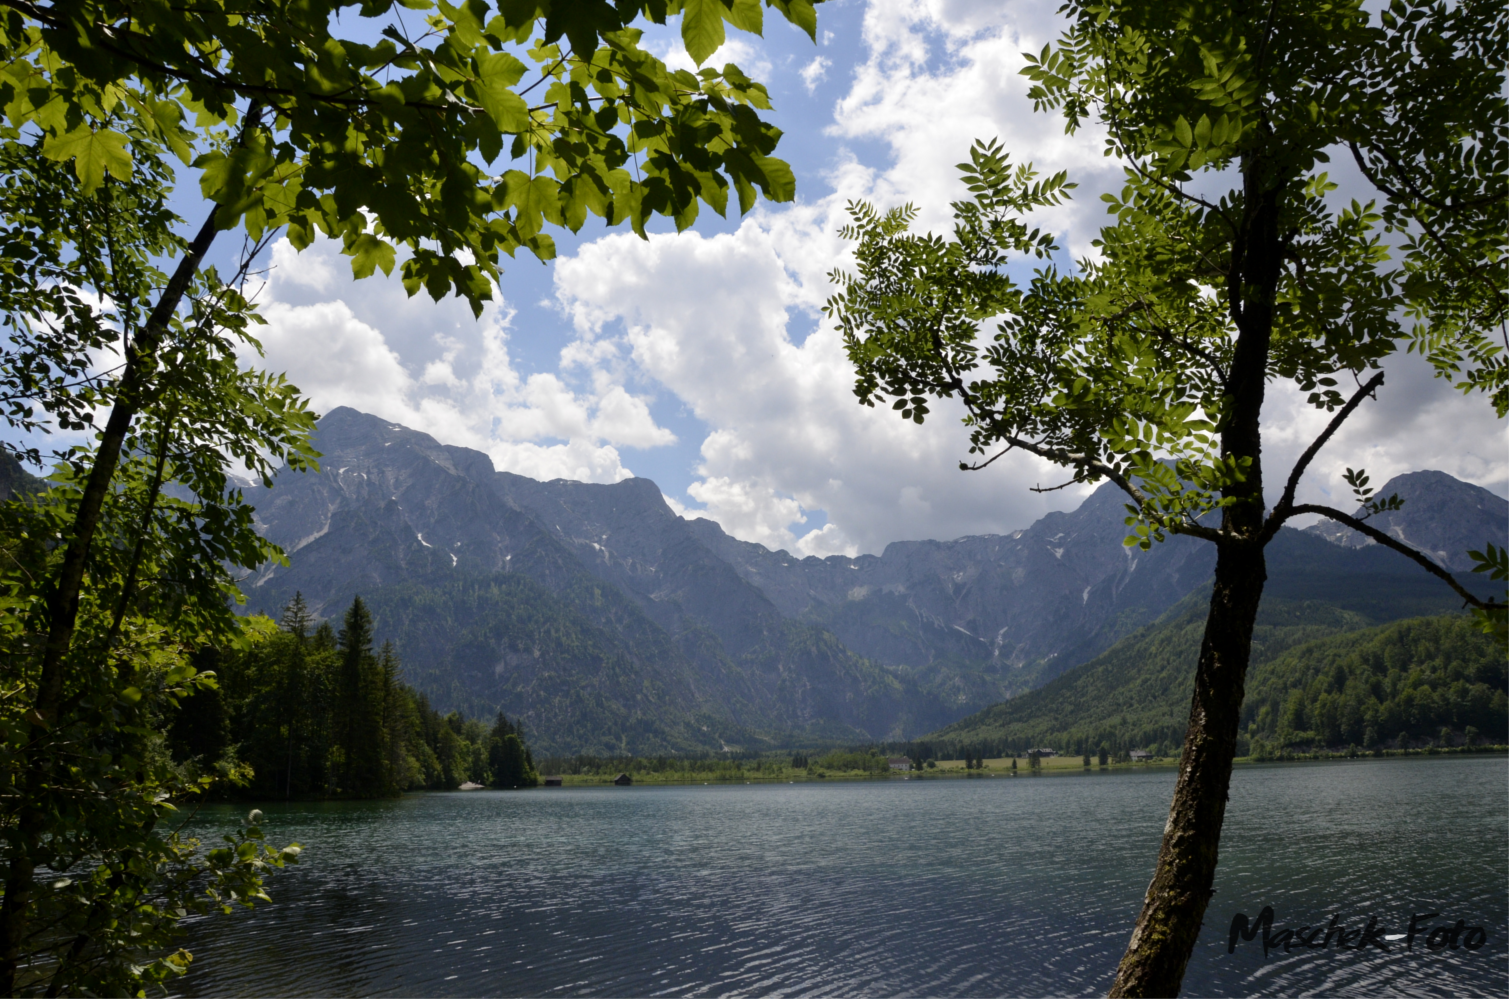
[(700, 360)]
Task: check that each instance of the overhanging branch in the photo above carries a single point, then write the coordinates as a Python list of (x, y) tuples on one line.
[(1099, 468), (1393, 543), (1285, 509)]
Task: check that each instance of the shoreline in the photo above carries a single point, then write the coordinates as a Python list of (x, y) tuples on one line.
[(1001, 767)]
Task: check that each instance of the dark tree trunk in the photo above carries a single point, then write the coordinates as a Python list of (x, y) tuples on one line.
[(132, 394), (1166, 931), (1167, 928)]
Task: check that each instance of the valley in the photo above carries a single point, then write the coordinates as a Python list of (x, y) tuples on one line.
[(609, 625)]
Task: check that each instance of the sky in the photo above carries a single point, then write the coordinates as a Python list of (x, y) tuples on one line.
[(701, 360)]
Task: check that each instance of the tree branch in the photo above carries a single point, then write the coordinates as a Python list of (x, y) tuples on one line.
[(1442, 243), (1283, 510), (977, 466), (1392, 543), (1180, 192), (141, 362), (1062, 457)]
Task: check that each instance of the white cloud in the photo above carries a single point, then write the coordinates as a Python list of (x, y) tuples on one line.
[(316, 271), (742, 52), (940, 75), (334, 355), (740, 344), (471, 395), (729, 323), (739, 339), (748, 511), (815, 73)]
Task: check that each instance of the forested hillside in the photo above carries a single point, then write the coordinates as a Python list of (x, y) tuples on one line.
[(588, 672), (1401, 683), (305, 711), (1319, 676), (609, 625)]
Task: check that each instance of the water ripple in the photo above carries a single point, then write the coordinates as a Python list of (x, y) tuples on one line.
[(901, 888)]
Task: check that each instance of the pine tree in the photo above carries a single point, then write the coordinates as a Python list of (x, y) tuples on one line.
[(361, 707), (396, 710), (325, 638), (297, 618), (511, 763), (295, 700)]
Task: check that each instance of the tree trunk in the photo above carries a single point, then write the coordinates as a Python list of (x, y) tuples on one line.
[(1167, 928), (63, 608), (1166, 931)]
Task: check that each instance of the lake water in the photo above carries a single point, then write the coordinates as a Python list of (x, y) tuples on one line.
[(979, 887)]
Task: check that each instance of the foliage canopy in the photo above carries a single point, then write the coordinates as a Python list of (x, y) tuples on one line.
[(430, 137), (1230, 262), (385, 137)]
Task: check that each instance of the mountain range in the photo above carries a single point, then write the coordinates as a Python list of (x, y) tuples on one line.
[(607, 623)]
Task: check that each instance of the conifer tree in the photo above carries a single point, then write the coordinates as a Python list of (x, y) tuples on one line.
[(509, 760), (363, 741), (295, 701), (398, 723)]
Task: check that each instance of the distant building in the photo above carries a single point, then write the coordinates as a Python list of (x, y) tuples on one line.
[(899, 763), (1140, 755), (552, 782), (623, 779), (1045, 752)]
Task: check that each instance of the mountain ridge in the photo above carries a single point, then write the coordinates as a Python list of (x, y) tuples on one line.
[(1445, 532), (727, 642)]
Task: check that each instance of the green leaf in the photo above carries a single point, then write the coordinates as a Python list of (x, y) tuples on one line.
[(168, 117), (1219, 131), (746, 15), (368, 253), (802, 14), (497, 73), (702, 28), (779, 184), (93, 154), (1182, 132), (539, 199)]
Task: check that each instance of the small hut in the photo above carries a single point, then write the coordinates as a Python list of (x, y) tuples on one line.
[(623, 779), (552, 782)]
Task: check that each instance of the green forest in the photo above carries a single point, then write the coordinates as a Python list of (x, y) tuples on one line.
[(306, 711), (765, 767), (129, 371), (1318, 680), (1423, 680), (131, 685)]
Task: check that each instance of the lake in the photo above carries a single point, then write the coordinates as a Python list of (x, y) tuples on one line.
[(932, 887)]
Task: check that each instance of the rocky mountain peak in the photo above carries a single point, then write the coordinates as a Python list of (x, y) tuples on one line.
[(594, 609), (1442, 516)]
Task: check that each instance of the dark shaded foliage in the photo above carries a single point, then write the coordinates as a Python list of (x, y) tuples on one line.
[(1319, 678), (316, 716)]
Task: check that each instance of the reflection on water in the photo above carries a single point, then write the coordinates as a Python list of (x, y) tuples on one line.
[(983, 887)]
